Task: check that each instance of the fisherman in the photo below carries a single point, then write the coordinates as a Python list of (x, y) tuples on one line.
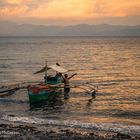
[(66, 82)]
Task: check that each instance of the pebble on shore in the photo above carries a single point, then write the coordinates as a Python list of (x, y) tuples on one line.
[(22, 131)]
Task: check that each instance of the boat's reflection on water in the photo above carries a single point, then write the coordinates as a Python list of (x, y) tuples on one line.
[(57, 100), (90, 101)]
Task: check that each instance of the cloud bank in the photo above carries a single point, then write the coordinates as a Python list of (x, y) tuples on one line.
[(64, 11)]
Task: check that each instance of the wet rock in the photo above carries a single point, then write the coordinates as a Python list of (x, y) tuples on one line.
[(11, 115), (91, 134), (123, 136)]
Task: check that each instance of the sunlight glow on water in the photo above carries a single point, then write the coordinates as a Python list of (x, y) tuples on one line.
[(111, 63)]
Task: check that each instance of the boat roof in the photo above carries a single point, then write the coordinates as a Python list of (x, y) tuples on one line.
[(58, 68), (53, 67)]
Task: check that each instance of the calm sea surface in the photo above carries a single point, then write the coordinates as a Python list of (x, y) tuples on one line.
[(111, 63)]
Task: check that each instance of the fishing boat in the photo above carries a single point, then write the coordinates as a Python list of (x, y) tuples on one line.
[(49, 87), (40, 91)]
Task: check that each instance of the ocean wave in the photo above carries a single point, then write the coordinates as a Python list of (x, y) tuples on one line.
[(113, 127)]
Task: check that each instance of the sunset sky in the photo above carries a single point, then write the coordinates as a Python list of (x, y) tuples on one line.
[(63, 12)]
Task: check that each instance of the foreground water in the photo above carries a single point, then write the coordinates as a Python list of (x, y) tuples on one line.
[(113, 64)]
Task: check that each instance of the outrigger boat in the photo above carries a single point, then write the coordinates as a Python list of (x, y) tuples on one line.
[(49, 88)]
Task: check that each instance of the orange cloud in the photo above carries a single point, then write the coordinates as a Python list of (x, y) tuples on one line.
[(68, 9), (118, 7), (63, 9)]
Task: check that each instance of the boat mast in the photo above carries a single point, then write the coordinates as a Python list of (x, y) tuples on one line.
[(46, 68)]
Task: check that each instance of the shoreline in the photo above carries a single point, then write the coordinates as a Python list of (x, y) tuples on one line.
[(48, 132)]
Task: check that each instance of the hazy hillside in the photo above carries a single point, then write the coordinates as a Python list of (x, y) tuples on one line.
[(13, 29)]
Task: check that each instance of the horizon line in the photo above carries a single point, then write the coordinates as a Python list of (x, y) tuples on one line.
[(60, 25)]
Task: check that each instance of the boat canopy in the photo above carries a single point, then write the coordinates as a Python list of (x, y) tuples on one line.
[(54, 67), (58, 68)]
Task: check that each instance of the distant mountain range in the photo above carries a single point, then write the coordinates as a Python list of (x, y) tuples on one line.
[(12, 29)]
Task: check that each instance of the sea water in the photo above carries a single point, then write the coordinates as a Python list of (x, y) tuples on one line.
[(111, 63)]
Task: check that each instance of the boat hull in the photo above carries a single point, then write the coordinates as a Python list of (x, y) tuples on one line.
[(46, 91), (42, 96)]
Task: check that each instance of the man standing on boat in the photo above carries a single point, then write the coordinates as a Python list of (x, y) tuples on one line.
[(66, 83)]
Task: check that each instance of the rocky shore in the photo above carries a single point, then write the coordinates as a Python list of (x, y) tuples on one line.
[(33, 132)]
